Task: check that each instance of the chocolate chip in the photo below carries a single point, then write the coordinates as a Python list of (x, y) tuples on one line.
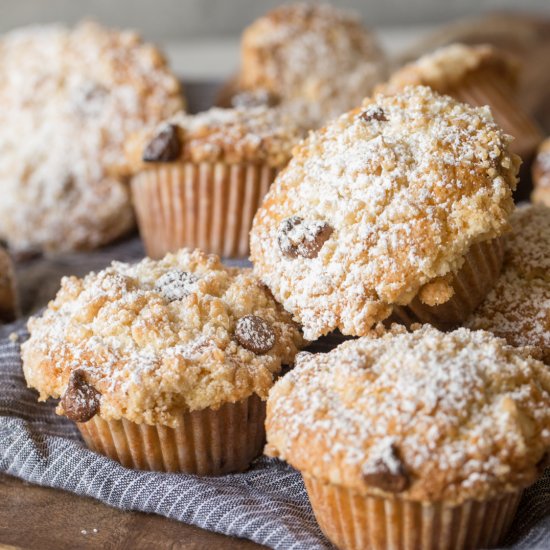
[(176, 284), (80, 400), (255, 334), (300, 238), (164, 147), (373, 113), (387, 472)]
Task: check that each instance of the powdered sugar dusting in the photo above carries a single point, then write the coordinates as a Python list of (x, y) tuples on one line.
[(406, 197), (468, 415), (70, 98)]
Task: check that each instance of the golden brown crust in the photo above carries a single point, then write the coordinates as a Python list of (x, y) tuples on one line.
[(407, 184), (70, 98), (256, 135), (449, 66), (158, 338), (427, 416), (518, 307), (319, 60)]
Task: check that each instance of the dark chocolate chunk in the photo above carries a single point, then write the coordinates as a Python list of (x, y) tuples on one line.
[(373, 113), (80, 400), (387, 473), (255, 334), (301, 238), (164, 147)]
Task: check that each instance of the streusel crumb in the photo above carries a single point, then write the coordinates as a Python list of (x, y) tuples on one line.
[(158, 338), (429, 415), (380, 202)]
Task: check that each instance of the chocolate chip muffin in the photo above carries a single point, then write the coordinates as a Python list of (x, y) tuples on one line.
[(401, 202), (164, 365), (199, 179), (518, 307), (478, 75), (318, 60), (541, 174), (70, 98), (414, 431)]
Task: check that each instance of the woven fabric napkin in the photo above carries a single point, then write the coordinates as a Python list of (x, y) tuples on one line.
[(267, 504)]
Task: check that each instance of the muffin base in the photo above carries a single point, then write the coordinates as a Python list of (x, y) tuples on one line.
[(207, 442), (472, 283), (208, 206), (356, 522)]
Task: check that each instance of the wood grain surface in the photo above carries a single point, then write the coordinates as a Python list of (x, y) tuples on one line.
[(40, 518)]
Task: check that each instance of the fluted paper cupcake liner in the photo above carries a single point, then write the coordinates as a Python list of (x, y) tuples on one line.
[(358, 522), (480, 271), (208, 206), (207, 442)]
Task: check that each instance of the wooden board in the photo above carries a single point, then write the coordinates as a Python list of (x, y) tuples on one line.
[(40, 518)]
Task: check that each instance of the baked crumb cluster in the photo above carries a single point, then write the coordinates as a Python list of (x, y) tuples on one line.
[(450, 65), (256, 134), (518, 307), (155, 339), (70, 98), (380, 202), (319, 60), (426, 415)]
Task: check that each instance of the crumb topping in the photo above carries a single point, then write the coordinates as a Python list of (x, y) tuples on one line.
[(432, 416), (319, 60), (448, 66), (255, 134), (518, 307), (70, 98), (158, 338), (403, 196)]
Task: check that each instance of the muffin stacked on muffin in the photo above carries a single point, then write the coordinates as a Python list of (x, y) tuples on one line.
[(70, 99), (164, 365), (398, 203), (317, 60), (518, 307), (200, 179), (477, 75), (541, 174), (432, 436)]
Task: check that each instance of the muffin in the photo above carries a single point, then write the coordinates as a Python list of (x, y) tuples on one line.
[(400, 202), (163, 365), (320, 61), (518, 307), (70, 98), (479, 75), (8, 295), (414, 440), (200, 179), (541, 174)]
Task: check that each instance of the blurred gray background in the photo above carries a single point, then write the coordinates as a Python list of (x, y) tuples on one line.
[(173, 20), (201, 37)]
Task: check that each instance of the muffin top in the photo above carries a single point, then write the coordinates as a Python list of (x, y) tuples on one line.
[(158, 338), (70, 98), (518, 307), (319, 58), (426, 416), (8, 301), (258, 134), (541, 166), (382, 201), (449, 66)]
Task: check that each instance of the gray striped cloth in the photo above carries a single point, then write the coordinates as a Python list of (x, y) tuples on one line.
[(268, 504)]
